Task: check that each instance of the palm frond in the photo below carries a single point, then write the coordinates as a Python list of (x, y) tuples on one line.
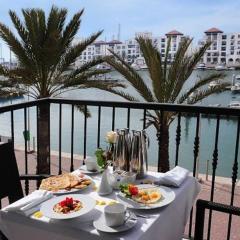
[(131, 75), (207, 92), (200, 83), (81, 108), (74, 52), (153, 60), (185, 70)]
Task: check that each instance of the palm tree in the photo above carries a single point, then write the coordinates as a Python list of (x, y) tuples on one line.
[(46, 54), (167, 81)]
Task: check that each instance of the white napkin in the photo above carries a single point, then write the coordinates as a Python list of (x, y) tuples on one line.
[(174, 177), (28, 204)]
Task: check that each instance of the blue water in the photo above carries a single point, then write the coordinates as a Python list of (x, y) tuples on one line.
[(227, 135)]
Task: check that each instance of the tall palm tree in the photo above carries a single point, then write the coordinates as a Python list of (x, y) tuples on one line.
[(167, 81), (46, 54)]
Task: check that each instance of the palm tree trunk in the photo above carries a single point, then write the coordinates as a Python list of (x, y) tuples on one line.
[(163, 144), (43, 166)]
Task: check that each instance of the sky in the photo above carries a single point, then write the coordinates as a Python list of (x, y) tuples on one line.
[(191, 17)]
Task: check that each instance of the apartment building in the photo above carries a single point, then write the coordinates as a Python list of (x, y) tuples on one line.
[(225, 48), (129, 50)]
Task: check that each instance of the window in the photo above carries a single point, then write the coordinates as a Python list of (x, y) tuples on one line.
[(163, 40), (223, 48), (163, 46), (224, 43), (123, 47), (232, 52), (223, 54), (129, 51), (208, 59), (215, 59), (232, 48), (223, 60), (224, 36), (232, 37), (208, 54)]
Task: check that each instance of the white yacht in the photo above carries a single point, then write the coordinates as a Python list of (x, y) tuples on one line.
[(234, 104), (237, 77), (235, 88), (135, 66), (103, 66), (140, 62), (213, 84), (201, 66), (220, 67)]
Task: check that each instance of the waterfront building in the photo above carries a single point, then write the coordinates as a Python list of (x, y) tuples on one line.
[(225, 48), (129, 50)]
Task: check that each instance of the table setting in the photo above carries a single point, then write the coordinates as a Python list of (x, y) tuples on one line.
[(113, 196)]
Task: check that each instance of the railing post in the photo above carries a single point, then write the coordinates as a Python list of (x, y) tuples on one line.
[(43, 138), (207, 170)]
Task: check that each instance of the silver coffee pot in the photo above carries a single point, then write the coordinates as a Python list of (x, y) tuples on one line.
[(139, 158), (122, 149)]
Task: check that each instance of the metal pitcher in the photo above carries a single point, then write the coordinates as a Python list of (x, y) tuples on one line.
[(139, 158), (122, 150)]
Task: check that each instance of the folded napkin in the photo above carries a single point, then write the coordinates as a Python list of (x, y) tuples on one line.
[(28, 204), (174, 177)]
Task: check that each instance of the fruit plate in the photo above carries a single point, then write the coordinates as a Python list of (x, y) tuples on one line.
[(167, 197), (87, 202)]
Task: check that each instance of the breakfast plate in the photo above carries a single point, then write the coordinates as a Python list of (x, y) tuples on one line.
[(66, 183), (159, 196), (129, 223), (67, 206)]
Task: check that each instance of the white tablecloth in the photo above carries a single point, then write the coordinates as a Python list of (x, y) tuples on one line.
[(165, 223)]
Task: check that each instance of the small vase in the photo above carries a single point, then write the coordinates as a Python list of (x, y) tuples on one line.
[(104, 187)]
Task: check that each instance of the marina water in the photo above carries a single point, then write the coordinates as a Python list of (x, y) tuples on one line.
[(227, 133)]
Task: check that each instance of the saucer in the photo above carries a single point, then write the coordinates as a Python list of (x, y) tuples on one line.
[(84, 170), (100, 224)]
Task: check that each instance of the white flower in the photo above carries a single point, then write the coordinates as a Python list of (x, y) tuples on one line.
[(111, 137)]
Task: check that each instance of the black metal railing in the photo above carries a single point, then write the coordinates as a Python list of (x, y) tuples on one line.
[(180, 110)]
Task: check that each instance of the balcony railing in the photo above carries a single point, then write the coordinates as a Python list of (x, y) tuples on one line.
[(218, 113)]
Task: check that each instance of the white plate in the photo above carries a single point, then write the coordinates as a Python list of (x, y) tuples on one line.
[(88, 204), (100, 224), (167, 197), (73, 190), (84, 170)]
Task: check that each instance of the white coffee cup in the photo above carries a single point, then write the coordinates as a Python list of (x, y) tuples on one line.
[(91, 163), (115, 214)]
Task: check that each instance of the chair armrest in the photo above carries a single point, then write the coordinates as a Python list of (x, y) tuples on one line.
[(33, 176), (202, 205)]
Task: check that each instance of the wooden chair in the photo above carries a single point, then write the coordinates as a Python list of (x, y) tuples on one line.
[(10, 185)]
